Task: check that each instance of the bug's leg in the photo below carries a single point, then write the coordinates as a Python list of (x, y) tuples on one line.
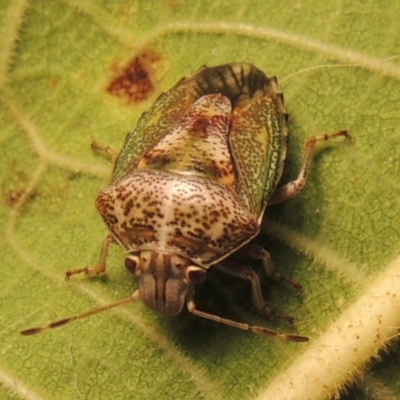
[(106, 149), (101, 265), (246, 327), (293, 188), (256, 252), (239, 269)]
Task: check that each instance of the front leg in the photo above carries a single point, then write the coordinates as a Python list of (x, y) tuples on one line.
[(101, 265), (113, 154)]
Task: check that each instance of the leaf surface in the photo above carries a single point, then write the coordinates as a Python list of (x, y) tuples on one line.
[(65, 70)]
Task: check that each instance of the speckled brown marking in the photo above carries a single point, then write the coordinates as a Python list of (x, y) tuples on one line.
[(217, 237)]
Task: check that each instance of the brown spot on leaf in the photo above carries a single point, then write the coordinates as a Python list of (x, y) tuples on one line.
[(12, 197), (135, 82), (14, 187), (53, 83)]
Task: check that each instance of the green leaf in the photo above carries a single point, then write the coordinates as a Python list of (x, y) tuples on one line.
[(337, 64)]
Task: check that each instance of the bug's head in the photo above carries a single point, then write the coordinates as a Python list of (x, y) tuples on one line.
[(165, 280)]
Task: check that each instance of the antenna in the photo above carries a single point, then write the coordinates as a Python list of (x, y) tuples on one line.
[(61, 322)]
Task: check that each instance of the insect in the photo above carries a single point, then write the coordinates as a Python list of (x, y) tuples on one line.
[(190, 187)]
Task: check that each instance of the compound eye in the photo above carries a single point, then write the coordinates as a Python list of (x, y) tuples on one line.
[(196, 275), (131, 263)]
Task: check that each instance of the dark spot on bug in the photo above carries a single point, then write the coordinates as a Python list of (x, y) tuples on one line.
[(158, 161), (135, 82), (218, 119), (128, 207), (206, 226), (178, 232), (200, 126), (148, 214)]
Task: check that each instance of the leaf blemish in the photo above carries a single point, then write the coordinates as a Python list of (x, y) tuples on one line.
[(135, 82)]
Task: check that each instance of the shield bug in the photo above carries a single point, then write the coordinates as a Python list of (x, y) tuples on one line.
[(190, 187)]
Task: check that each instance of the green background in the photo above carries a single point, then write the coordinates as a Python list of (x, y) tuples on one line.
[(338, 66)]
